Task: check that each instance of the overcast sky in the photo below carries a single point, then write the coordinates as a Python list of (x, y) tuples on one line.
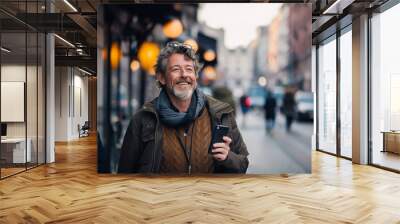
[(239, 20)]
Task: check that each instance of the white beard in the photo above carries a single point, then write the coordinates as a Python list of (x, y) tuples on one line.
[(182, 94)]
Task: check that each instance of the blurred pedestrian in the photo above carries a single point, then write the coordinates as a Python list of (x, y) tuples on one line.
[(289, 108), (245, 104), (270, 111)]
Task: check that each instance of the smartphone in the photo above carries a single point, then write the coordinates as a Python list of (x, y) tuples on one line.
[(218, 133)]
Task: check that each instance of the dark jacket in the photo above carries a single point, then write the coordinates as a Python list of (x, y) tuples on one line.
[(289, 105), (270, 108), (142, 147)]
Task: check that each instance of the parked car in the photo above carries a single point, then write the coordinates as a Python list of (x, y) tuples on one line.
[(304, 106)]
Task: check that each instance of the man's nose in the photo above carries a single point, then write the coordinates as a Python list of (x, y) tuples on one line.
[(184, 73)]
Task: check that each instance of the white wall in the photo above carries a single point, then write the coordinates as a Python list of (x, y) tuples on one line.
[(79, 117), (71, 102), (12, 73), (33, 126), (16, 73), (12, 101)]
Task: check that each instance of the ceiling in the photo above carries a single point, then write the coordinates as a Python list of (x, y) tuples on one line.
[(77, 22)]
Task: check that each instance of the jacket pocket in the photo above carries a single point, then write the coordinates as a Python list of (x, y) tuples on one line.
[(148, 132), (147, 136), (147, 154)]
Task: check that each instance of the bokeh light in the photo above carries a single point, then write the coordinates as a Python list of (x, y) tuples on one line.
[(104, 54), (115, 55), (147, 55), (209, 55), (262, 81), (135, 65), (173, 28), (193, 44), (210, 73)]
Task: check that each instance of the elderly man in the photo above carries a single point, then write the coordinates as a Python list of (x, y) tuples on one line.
[(172, 133)]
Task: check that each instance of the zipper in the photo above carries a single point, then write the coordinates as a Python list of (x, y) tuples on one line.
[(188, 154), (191, 148)]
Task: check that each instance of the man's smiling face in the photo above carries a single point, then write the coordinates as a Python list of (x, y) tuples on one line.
[(180, 78)]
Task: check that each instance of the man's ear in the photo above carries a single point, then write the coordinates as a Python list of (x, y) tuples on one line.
[(160, 77)]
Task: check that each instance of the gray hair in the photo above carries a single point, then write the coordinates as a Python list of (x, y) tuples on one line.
[(171, 48)]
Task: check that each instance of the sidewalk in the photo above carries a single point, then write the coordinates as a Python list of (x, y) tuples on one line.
[(279, 151)]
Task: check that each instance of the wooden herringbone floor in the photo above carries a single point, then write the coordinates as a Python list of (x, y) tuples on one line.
[(70, 191)]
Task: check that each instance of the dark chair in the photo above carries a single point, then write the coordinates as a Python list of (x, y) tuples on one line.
[(84, 130)]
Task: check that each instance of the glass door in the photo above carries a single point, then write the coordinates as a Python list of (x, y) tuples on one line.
[(327, 96)]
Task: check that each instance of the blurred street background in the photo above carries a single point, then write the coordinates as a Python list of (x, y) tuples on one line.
[(276, 152), (256, 57)]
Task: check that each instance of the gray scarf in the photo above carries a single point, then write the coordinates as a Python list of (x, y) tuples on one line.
[(171, 117)]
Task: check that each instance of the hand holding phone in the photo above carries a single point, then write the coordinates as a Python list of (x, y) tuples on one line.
[(218, 133)]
